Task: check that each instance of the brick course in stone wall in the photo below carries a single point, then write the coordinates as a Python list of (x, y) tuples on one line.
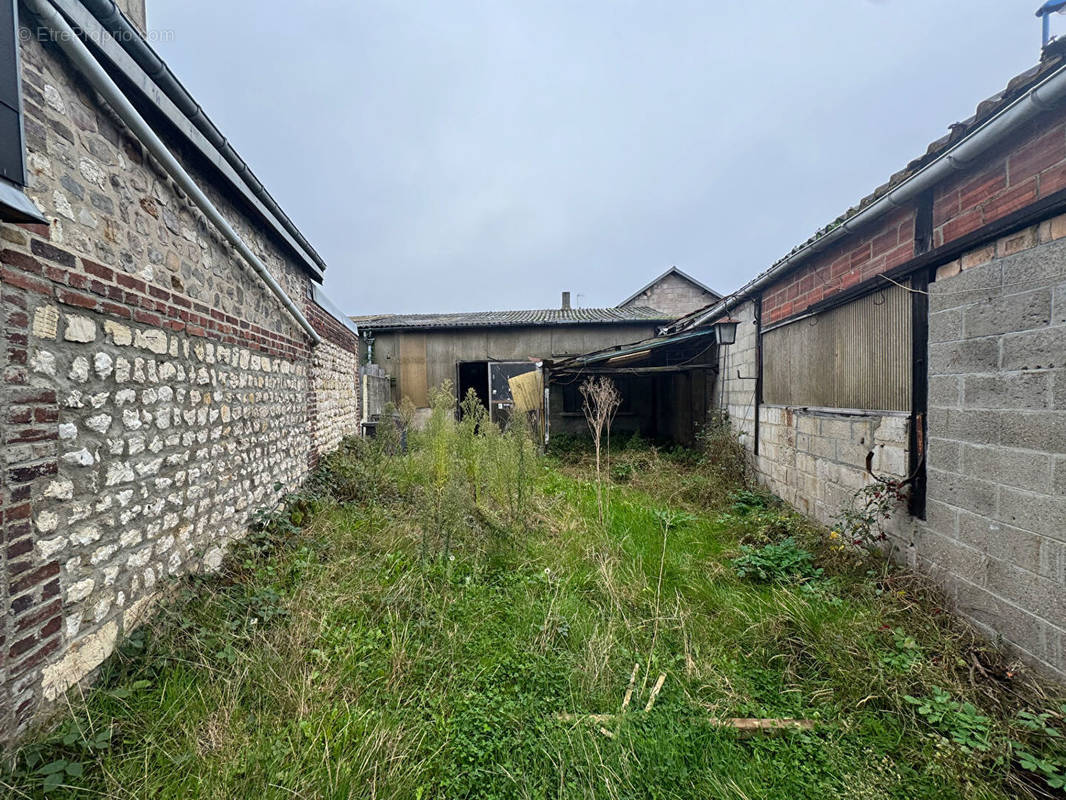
[(153, 390)]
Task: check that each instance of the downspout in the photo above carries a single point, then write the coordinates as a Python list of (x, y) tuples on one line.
[(109, 15), (758, 371), (73, 47), (1040, 98)]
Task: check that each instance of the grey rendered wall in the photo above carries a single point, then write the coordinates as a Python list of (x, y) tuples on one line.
[(996, 528)]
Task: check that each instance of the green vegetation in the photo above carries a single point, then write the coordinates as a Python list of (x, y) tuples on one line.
[(441, 623)]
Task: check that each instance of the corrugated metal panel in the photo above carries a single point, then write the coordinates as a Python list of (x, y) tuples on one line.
[(854, 356)]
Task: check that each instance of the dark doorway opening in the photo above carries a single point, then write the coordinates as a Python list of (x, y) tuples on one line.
[(474, 375)]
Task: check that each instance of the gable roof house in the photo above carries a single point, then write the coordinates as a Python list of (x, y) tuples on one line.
[(169, 355), (483, 350), (674, 292), (918, 342)]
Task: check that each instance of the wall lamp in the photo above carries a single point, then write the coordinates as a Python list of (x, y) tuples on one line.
[(725, 330)]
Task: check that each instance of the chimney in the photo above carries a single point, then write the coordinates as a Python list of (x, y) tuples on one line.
[(566, 301)]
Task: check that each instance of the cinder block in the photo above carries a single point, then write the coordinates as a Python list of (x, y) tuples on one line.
[(975, 531), (1004, 314), (1043, 264), (970, 355), (945, 390), (973, 285), (823, 448), (947, 326), (1030, 390), (963, 491), (942, 518), (808, 464), (944, 454), (839, 429), (1058, 305), (998, 615), (890, 460), (1038, 513), (944, 555), (892, 430), (1036, 594), (983, 427), (853, 454), (1043, 431), (1039, 349), (1022, 468)]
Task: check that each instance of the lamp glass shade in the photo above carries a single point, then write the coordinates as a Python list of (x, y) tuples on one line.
[(726, 331)]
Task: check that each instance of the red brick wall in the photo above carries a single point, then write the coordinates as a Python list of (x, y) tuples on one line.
[(1003, 182), (858, 258), (1009, 178)]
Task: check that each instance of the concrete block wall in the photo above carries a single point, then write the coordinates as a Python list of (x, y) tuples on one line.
[(816, 460), (673, 294), (734, 391), (995, 535), (153, 390)]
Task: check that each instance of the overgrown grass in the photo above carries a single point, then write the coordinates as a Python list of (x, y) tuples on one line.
[(414, 625)]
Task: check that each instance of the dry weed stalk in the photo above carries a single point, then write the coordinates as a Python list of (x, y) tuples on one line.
[(601, 402)]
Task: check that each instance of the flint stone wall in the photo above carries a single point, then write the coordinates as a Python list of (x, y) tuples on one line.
[(153, 390)]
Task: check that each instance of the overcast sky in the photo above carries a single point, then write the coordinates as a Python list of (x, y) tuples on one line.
[(456, 156)]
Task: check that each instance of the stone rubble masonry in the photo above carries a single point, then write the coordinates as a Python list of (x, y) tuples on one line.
[(995, 533), (673, 295), (334, 400), (153, 391)]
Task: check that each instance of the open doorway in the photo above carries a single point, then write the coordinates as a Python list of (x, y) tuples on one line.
[(473, 375)]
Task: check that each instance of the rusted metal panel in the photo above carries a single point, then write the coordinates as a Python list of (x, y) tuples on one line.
[(854, 356)]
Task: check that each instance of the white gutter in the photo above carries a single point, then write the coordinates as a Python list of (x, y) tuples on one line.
[(69, 42), (961, 155)]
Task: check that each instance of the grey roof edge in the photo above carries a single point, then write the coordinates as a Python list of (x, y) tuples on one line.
[(481, 319), (607, 353), (330, 308), (137, 61), (671, 271), (1051, 65)]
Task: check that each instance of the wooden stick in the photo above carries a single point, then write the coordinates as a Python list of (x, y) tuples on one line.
[(632, 683), (749, 725), (655, 691), (741, 724)]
